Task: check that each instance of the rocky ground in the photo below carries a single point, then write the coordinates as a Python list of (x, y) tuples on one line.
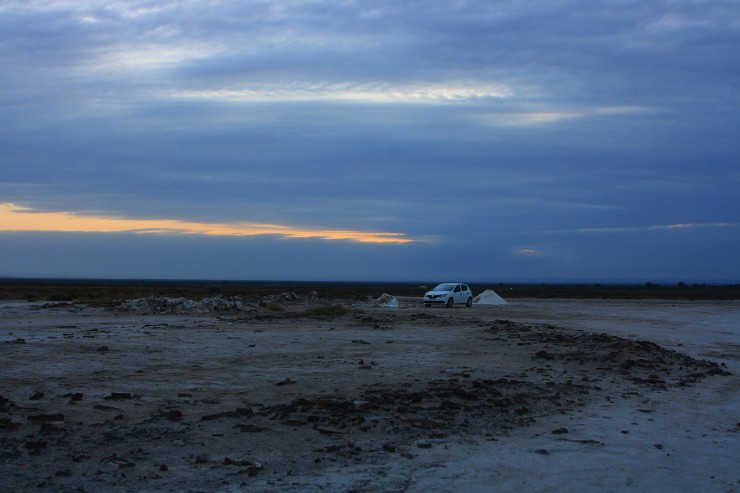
[(292, 394)]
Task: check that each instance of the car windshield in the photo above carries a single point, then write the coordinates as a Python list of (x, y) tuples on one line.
[(444, 287)]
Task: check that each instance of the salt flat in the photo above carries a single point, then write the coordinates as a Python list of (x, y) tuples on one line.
[(526, 396)]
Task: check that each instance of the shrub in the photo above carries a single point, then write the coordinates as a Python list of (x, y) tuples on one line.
[(275, 307), (320, 311)]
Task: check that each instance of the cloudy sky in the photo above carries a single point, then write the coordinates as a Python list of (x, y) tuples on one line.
[(370, 140)]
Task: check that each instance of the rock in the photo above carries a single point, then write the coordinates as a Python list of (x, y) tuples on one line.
[(252, 468), (325, 430), (45, 418), (248, 428), (50, 429), (34, 445), (238, 413), (7, 425), (74, 397), (289, 297), (212, 417), (5, 403), (103, 407), (172, 415), (118, 396)]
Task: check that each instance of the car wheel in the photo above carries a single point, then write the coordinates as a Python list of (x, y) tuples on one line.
[(450, 302), (469, 303)]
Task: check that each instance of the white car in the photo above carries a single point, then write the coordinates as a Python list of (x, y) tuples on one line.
[(449, 293)]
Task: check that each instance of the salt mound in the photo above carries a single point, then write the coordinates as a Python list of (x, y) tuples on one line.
[(387, 301), (489, 297)]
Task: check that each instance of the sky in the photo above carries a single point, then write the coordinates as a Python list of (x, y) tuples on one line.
[(478, 141)]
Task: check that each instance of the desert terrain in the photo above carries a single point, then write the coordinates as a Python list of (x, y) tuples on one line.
[(305, 393)]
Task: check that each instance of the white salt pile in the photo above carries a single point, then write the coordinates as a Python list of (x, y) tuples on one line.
[(387, 301), (489, 297)]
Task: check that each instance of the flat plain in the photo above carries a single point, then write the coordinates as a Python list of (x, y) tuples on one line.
[(304, 393)]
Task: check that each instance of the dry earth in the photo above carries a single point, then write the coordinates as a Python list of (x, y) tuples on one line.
[(371, 400)]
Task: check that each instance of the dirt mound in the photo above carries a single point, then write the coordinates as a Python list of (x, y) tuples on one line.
[(414, 409), (642, 362), (154, 305)]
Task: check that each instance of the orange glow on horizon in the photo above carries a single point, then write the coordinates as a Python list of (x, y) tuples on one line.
[(16, 218)]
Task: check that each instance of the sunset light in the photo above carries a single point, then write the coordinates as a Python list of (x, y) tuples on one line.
[(15, 218)]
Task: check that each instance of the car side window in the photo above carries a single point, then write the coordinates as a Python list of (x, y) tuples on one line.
[(457, 288), (464, 287)]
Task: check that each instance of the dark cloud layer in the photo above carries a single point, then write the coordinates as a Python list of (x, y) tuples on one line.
[(482, 129)]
